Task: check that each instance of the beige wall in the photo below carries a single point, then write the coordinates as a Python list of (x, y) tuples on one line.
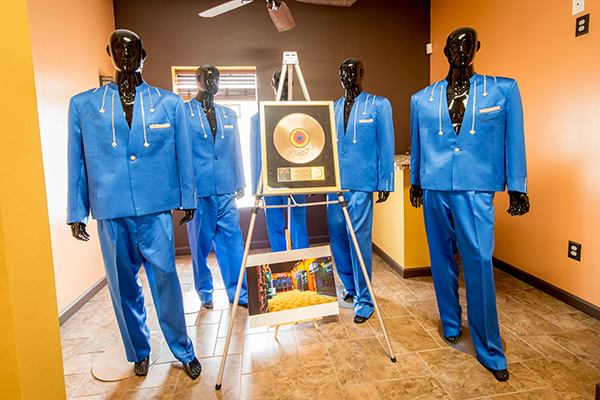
[(558, 74), (398, 227), (68, 38)]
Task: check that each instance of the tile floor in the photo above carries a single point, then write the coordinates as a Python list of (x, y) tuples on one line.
[(553, 350)]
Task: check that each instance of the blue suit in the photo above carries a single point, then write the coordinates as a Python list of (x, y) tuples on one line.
[(219, 172), (459, 175), (366, 156), (130, 179), (275, 216)]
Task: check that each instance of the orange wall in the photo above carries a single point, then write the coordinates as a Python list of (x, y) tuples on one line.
[(68, 39), (559, 78), (30, 354)]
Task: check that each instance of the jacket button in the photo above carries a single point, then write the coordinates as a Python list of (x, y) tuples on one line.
[(132, 158), (216, 158), (457, 150)]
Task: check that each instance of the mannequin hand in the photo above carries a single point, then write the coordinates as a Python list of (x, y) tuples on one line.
[(519, 203), (79, 232), (416, 196), (382, 196), (239, 194), (189, 214)]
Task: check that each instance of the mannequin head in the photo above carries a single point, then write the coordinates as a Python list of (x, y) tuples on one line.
[(207, 79), (275, 84), (352, 72), (126, 51), (461, 47)]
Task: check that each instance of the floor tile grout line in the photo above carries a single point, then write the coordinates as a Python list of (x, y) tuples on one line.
[(519, 337), (337, 378), (537, 376), (435, 375), (523, 391), (575, 355), (540, 378), (81, 383)]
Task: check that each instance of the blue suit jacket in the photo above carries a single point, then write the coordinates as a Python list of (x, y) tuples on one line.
[(218, 163), (133, 172), (489, 152), (255, 150), (366, 150)]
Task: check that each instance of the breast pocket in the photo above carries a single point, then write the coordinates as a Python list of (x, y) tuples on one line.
[(366, 126), (493, 115), (161, 133)]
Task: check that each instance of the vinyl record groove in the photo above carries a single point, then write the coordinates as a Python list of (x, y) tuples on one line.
[(299, 138)]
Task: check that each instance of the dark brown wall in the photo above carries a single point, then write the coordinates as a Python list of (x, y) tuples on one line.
[(389, 36)]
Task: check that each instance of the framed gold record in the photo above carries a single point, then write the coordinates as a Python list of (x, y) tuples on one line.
[(299, 147)]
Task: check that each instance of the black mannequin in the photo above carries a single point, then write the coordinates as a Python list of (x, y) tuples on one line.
[(275, 85), (460, 50), (207, 80), (127, 53), (352, 72)]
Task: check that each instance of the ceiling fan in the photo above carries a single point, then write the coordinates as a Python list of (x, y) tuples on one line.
[(278, 10)]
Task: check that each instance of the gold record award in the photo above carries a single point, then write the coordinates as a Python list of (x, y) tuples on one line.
[(299, 138), (299, 149)]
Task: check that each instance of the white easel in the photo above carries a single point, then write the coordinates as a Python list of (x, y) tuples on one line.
[(290, 62)]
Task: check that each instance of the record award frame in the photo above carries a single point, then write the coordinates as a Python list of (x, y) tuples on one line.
[(299, 148)]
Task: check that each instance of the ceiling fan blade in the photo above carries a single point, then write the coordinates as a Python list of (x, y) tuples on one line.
[(339, 3), (282, 18), (223, 8)]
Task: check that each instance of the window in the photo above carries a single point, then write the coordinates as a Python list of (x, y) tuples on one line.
[(237, 90)]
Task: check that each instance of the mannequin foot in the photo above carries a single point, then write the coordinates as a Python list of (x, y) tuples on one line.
[(359, 320), (209, 305), (346, 296), (500, 374), (453, 339), (141, 368), (193, 368)]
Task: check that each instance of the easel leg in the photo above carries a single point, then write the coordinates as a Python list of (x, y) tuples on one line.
[(288, 231), (237, 291), (344, 205)]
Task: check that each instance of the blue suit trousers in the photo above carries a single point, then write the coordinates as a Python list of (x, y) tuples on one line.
[(472, 215), (360, 210), (276, 223), (126, 244), (216, 223)]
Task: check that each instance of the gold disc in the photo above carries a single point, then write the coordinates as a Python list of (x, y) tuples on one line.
[(299, 138)]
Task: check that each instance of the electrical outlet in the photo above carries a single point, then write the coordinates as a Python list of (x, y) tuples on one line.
[(574, 250), (582, 25)]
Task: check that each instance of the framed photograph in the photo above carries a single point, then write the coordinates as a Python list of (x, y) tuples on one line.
[(299, 147), (290, 286)]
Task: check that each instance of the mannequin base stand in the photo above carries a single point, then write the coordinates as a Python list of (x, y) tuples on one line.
[(341, 302), (254, 211), (465, 343), (112, 365)]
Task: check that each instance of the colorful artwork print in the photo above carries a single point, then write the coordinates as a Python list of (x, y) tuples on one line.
[(290, 286)]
